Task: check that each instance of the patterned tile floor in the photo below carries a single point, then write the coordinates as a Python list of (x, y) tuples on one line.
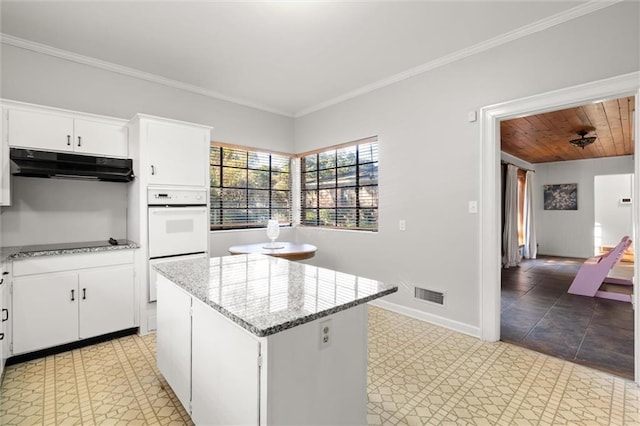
[(419, 374), (114, 382)]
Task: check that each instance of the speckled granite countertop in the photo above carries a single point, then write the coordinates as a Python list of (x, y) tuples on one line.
[(21, 252), (266, 295)]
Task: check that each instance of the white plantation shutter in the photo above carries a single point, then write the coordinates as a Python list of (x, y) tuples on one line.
[(339, 186)]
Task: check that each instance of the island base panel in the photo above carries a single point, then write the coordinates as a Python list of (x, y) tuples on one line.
[(225, 369), (310, 383), (173, 338)]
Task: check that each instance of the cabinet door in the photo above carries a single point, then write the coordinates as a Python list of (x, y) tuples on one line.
[(106, 300), (5, 295), (45, 311), (40, 131), (173, 338), (3, 328), (177, 155), (226, 385), (97, 138)]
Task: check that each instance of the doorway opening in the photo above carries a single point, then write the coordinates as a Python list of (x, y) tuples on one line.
[(492, 116), (577, 214)]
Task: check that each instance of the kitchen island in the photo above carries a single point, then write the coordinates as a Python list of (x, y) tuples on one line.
[(253, 339)]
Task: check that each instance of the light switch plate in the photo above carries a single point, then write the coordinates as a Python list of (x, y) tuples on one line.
[(473, 207)]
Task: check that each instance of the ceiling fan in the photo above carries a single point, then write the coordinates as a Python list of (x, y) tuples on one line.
[(583, 141)]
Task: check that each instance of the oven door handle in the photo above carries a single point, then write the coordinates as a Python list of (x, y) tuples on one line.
[(177, 210)]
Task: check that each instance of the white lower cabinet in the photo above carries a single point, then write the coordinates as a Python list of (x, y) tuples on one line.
[(173, 338), (194, 354), (53, 308), (45, 311), (106, 300), (5, 281), (236, 377), (226, 386)]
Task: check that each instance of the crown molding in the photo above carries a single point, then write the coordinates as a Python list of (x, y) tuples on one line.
[(131, 72), (543, 24)]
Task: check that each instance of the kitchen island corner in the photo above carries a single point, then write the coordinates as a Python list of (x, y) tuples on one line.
[(252, 339)]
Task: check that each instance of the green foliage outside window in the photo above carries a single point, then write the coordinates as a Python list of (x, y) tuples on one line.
[(339, 187), (248, 188)]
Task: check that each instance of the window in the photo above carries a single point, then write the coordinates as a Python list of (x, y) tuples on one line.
[(248, 187), (339, 186)]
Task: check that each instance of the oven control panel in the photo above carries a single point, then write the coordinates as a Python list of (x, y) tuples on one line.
[(177, 197)]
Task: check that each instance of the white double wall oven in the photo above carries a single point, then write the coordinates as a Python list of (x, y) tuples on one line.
[(178, 227)]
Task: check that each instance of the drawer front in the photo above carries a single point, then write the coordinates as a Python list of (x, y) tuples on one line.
[(68, 262)]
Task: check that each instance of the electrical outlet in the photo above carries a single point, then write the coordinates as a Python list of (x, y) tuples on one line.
[(402, 225), (325, 333)]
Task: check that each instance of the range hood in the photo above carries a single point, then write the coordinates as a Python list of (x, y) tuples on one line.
[(44, 164)]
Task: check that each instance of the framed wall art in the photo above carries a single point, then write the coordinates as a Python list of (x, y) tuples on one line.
[(561, 196)]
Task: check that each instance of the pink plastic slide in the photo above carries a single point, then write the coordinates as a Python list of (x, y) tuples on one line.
[(593, 273)]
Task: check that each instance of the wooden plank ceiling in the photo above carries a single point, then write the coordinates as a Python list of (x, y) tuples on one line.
[(545, 137)]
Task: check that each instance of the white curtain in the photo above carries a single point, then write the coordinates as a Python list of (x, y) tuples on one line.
[(511, 256), (530, 243)]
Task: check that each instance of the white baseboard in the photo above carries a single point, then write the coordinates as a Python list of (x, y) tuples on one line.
[(427, 317)]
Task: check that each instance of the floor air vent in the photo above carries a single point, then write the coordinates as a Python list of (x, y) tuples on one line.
[(429, 295)]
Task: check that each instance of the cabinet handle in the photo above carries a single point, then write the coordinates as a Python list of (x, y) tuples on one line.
[(73, 295), (5, 311), (68, 140), (153, 170), (1, 281), (79, 141), (84, 293), (5, 273), (1, 336)]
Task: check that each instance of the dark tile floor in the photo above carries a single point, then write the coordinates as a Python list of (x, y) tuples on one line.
[(538, 313)]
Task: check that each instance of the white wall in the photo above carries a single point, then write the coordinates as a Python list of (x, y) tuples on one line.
[(40, 79), (430, 155), (46, 211), (613, 219), (570, 232)]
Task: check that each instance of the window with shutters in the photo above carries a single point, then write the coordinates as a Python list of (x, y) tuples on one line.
[(339, 186), (248, 187)]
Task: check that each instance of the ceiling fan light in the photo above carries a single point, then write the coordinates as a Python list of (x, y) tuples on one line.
[(582, 141)]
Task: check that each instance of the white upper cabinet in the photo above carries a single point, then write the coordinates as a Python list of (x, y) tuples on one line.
[(5, 169), (93, 137), (57, 130), (41, 131), (178, 154)]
